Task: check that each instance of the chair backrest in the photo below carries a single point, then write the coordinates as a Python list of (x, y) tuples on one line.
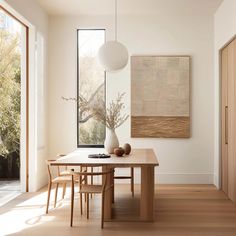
[(86, 173), (48, 163), (58, 167)]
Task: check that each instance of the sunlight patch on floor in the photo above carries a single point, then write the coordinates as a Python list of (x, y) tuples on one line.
[(25, 214)]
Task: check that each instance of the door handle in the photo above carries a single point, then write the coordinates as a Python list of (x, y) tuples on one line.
[(226, 124)]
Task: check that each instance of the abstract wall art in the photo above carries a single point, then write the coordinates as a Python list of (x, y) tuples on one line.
[(160, 96)]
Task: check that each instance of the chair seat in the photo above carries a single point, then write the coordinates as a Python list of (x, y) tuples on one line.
[(91, 189), (65, 172), (62, 179)]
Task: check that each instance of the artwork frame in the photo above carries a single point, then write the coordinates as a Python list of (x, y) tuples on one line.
[(160, 96)]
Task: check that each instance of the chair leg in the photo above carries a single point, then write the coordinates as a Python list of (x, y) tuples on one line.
[(113, 186), (132, 181), (91, 195), (56, 190), (87, 196), (102, 216), (48, 199), (81, 203), (86, 182), (64, 191), (72, 202)]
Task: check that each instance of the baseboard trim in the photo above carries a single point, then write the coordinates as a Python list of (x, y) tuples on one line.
[(217, 182), (185, 178), (172, 178)]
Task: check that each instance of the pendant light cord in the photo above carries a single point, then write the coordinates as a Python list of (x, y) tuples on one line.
[(115, 20)]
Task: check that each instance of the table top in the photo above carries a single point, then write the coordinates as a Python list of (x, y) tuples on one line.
[(137, 157)]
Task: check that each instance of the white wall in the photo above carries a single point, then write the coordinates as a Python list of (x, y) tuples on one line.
[(166, 31), (35, 17), (225, 30)]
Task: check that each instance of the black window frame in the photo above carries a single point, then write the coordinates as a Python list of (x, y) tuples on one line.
[(77, 120)]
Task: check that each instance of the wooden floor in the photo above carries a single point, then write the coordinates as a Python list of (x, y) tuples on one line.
[(180, 210)]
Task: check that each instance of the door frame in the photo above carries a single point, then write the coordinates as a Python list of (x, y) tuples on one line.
[(26, 110)]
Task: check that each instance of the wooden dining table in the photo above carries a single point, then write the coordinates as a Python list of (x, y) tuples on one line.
[(141, 158)]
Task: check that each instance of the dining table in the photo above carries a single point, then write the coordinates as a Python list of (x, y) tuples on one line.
[(143, 158)]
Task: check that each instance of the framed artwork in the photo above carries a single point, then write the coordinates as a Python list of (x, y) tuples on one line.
[(160, 96)]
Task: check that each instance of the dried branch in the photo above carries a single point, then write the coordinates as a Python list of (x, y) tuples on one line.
[(110, 117), (85, 106)]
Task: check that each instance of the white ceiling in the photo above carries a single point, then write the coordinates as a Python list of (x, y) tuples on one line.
[(130, 7)]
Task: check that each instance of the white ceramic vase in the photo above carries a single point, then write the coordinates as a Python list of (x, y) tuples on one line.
[(111, 141)]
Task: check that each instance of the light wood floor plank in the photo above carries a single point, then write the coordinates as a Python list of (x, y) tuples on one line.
[(179, 210)]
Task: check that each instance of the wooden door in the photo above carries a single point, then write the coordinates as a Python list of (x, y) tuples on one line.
[(228, 120), (232, 121), (224, 124)]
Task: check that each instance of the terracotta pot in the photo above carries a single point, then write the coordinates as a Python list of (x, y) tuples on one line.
[(119, 151)]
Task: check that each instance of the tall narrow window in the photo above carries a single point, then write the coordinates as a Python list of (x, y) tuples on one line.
[(91, 88)]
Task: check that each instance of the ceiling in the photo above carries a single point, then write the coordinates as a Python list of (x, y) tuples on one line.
[(128, 7)]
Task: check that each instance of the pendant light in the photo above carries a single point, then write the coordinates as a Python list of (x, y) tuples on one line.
[(113, 55)]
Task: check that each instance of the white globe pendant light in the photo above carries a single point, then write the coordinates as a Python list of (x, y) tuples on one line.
[(113, 55)]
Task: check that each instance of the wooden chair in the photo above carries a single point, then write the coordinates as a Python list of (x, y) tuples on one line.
[(131, 177), (60, 179), (64, 171), (89, 188)]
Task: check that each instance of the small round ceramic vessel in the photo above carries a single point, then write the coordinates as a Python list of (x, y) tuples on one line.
[(127, 148), (119, 151)]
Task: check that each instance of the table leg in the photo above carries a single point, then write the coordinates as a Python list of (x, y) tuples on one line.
[(147, 194), (108, 196), (113, 186)]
